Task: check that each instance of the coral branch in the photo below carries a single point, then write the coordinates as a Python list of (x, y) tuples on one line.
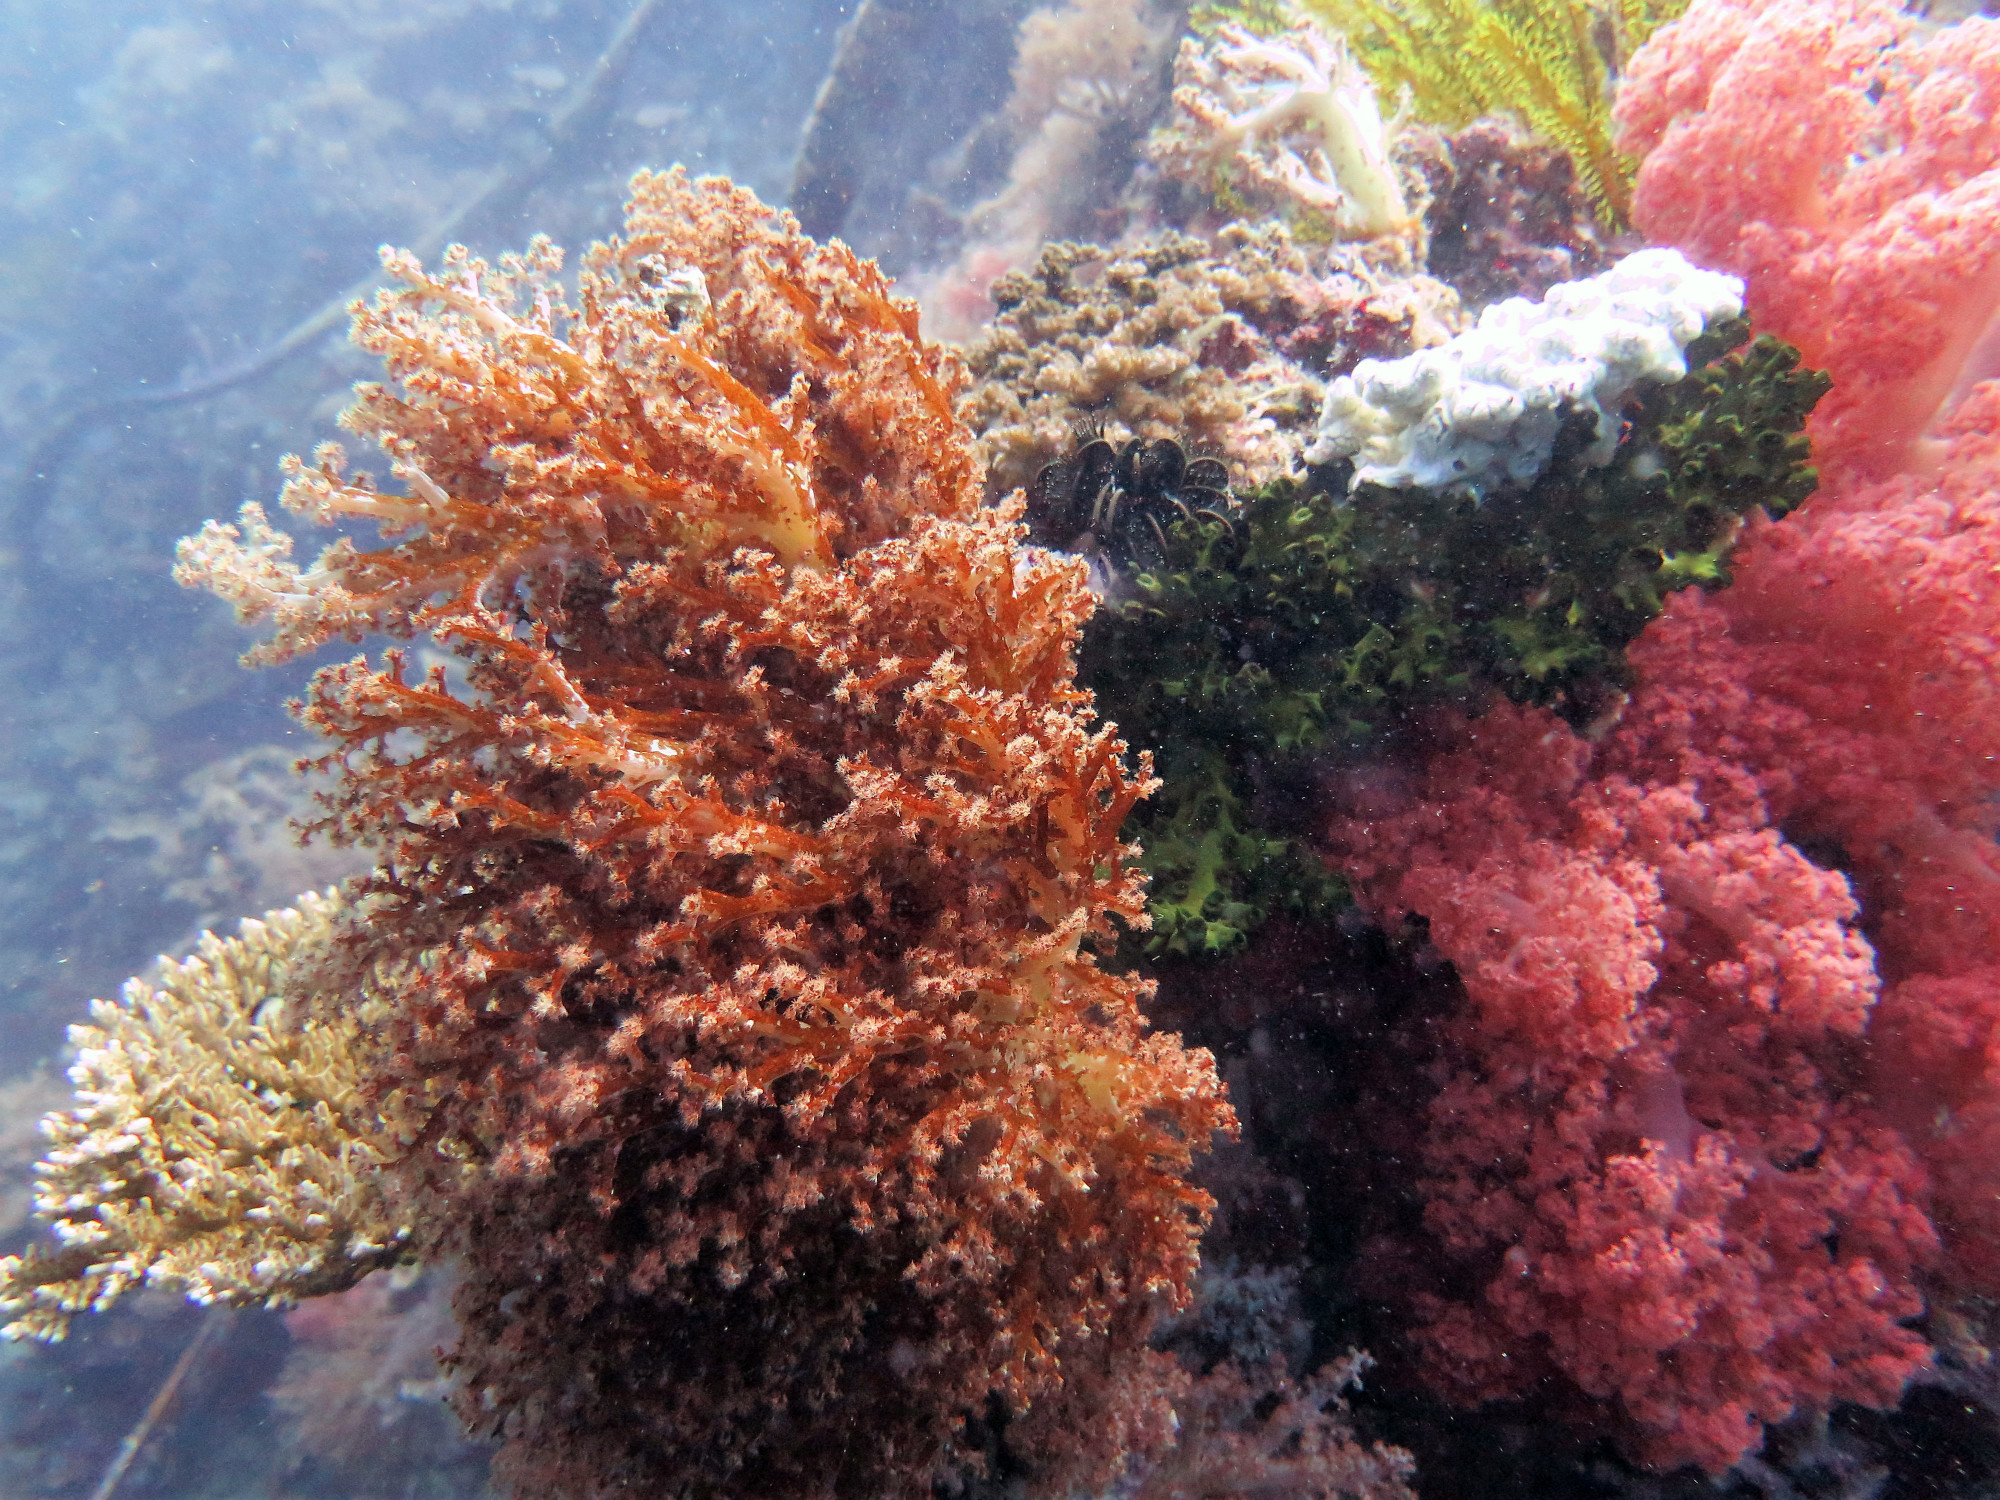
[(1287, 123), (221, 1143)]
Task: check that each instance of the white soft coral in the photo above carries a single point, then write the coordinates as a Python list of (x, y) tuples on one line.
[(1287, 120)]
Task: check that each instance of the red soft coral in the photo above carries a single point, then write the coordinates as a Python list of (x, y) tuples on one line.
[(1889, 766), (1644, 1164), (1846, 160)]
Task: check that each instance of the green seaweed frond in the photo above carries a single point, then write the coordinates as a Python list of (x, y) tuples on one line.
[(1551, 63), (1217, 875)]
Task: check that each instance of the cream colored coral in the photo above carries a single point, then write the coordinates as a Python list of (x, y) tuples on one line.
[(1485, 408), (219, 1142), (1287, 123)]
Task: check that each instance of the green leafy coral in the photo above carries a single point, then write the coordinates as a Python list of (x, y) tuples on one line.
[(1316, 620), (1549, 62)]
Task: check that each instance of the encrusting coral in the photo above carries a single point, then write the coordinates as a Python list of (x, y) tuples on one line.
[(1485, 408), (1221, 348), (222, 1142), (747, 879)]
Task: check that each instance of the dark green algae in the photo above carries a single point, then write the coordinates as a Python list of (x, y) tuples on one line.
[(1319, 621)]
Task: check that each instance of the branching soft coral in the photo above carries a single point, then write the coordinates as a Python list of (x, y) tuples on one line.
[(1286, 124), (1848, 167), (1648, 1167), (754, 869), (1846, 160), (1887, 767)]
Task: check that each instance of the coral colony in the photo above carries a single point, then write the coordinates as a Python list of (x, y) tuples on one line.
[(806, 749)]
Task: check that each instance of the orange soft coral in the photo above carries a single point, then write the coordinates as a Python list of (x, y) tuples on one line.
[(750, 858)]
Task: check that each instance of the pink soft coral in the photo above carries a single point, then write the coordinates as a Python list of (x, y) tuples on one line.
[(1849, 169), (1847, 162), (1642, 1159), (1889, 765)]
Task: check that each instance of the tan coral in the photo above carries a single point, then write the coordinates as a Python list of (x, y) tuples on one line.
[(1175, 338), (220, 1143)]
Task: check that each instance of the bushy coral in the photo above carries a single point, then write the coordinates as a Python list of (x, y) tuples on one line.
[(1285, 125), (1844, 164), (221, 1142), (751, 868), (1647, 1164), (1844, 159)]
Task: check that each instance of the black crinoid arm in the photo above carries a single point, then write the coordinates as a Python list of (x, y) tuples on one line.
[(1117, 503)]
